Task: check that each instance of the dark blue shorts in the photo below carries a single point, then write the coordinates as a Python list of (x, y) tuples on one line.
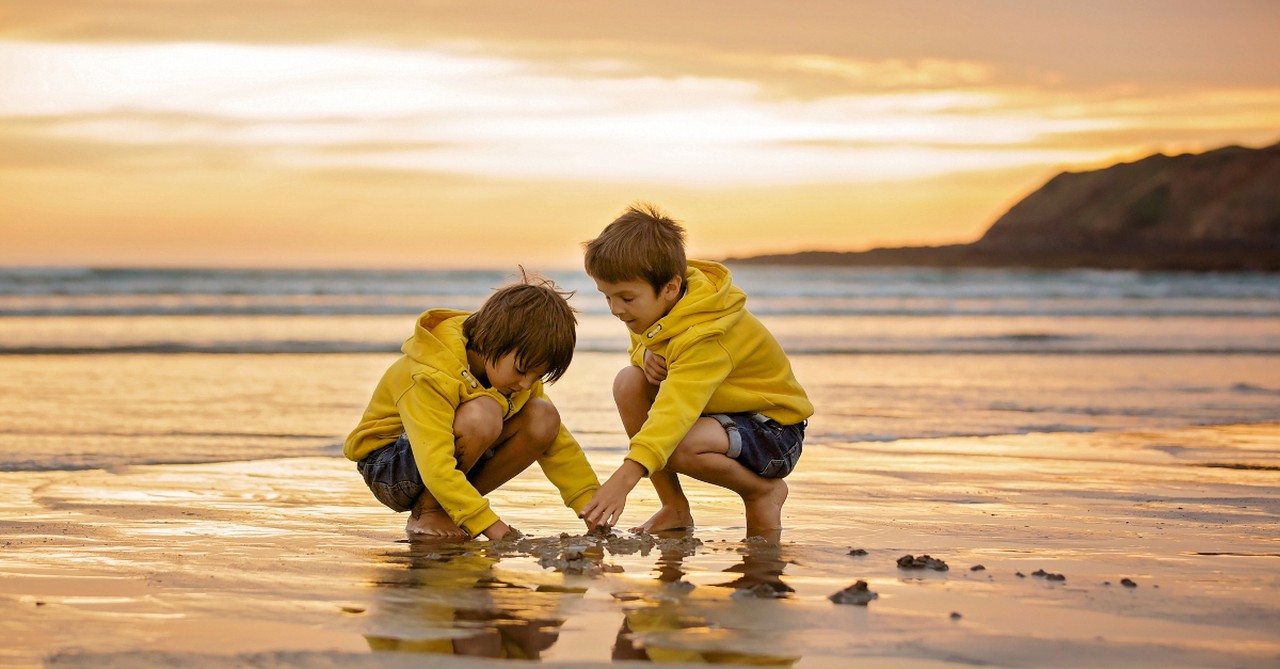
[(392, 475), (763, 445), (391, 472)]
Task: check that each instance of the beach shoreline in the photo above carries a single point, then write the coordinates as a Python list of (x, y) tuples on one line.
[(290, 563)]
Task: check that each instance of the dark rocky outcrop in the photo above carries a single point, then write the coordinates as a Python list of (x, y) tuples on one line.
[(1218, 210)]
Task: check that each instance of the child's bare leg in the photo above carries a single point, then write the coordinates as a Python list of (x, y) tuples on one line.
[(476, 425), (701, 454), (634, 396), (522, 441), (674, 513)]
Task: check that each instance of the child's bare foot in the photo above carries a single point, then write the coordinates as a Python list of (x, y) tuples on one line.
[(667, 518), (764, 511), (433, 523)]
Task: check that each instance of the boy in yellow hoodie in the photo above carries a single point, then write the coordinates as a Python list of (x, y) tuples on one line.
[(463, 411), (709, 392)]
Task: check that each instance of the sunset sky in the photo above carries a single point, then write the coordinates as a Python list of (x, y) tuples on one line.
[(444, 134)]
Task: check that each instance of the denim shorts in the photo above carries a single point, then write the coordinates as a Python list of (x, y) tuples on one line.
[(392, 474), (761, 444)]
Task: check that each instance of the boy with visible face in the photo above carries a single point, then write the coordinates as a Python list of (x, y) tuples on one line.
[(709, 392), (463, 411)]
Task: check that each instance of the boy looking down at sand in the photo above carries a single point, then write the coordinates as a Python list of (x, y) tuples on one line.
[(709, 392), (463, 411)]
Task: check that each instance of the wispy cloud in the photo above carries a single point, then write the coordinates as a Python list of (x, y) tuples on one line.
[(448, 110), (746, 112)]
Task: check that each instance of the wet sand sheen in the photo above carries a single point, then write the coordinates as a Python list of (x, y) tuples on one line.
[(199, 565)]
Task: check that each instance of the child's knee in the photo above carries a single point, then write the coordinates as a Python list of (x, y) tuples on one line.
[(543, 420), (629, 384), (478, 422), (706, 437)]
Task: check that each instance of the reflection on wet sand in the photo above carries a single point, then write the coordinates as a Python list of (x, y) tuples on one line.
[(447, 597), (661, 629), (761, 569), (457, 598)]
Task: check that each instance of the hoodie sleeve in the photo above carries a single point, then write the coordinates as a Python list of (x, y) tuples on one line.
[(566, 466), (692, 377), (428, 414)]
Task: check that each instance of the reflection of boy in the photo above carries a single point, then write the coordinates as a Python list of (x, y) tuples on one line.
[(463, 411), (709, 392), (459, 605), (654, 633)]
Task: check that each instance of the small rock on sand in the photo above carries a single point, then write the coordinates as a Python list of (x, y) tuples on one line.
[(857, 552), (760, 591), (1128, 583), (921, 562), (858, 593)]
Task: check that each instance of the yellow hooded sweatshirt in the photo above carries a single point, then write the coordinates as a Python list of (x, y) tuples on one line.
[(720, 359), (420, 393)]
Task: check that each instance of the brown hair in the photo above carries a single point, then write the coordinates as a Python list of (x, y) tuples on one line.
[(531, 318), (643, 243)]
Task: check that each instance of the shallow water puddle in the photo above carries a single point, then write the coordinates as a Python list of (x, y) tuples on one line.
[(591, 597)]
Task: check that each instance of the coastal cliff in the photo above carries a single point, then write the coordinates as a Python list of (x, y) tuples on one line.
[(1218, 210)]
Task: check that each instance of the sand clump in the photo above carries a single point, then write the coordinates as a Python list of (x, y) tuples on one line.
[(584, 554), (921, 562), (859, 593), (762, 591)]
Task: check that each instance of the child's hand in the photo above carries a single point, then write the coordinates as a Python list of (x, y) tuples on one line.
[(655, 368), (605, 507), (498, 530)]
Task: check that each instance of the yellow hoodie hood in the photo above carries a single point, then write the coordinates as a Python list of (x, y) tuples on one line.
[(438, 344), (437, 338), (711, 305)]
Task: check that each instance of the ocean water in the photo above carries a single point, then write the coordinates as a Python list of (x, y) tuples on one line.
[(1093, 425), (102, 368)]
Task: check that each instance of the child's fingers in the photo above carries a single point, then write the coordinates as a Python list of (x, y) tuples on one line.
[(597, 517), (605, 517), (655, 375)]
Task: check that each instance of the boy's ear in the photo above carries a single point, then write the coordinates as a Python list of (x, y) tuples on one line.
[(671, 289)]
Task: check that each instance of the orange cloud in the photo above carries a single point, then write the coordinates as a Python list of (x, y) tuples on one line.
[(245, 132)]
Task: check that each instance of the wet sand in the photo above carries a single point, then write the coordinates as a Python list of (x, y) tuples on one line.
[(289, 562)]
